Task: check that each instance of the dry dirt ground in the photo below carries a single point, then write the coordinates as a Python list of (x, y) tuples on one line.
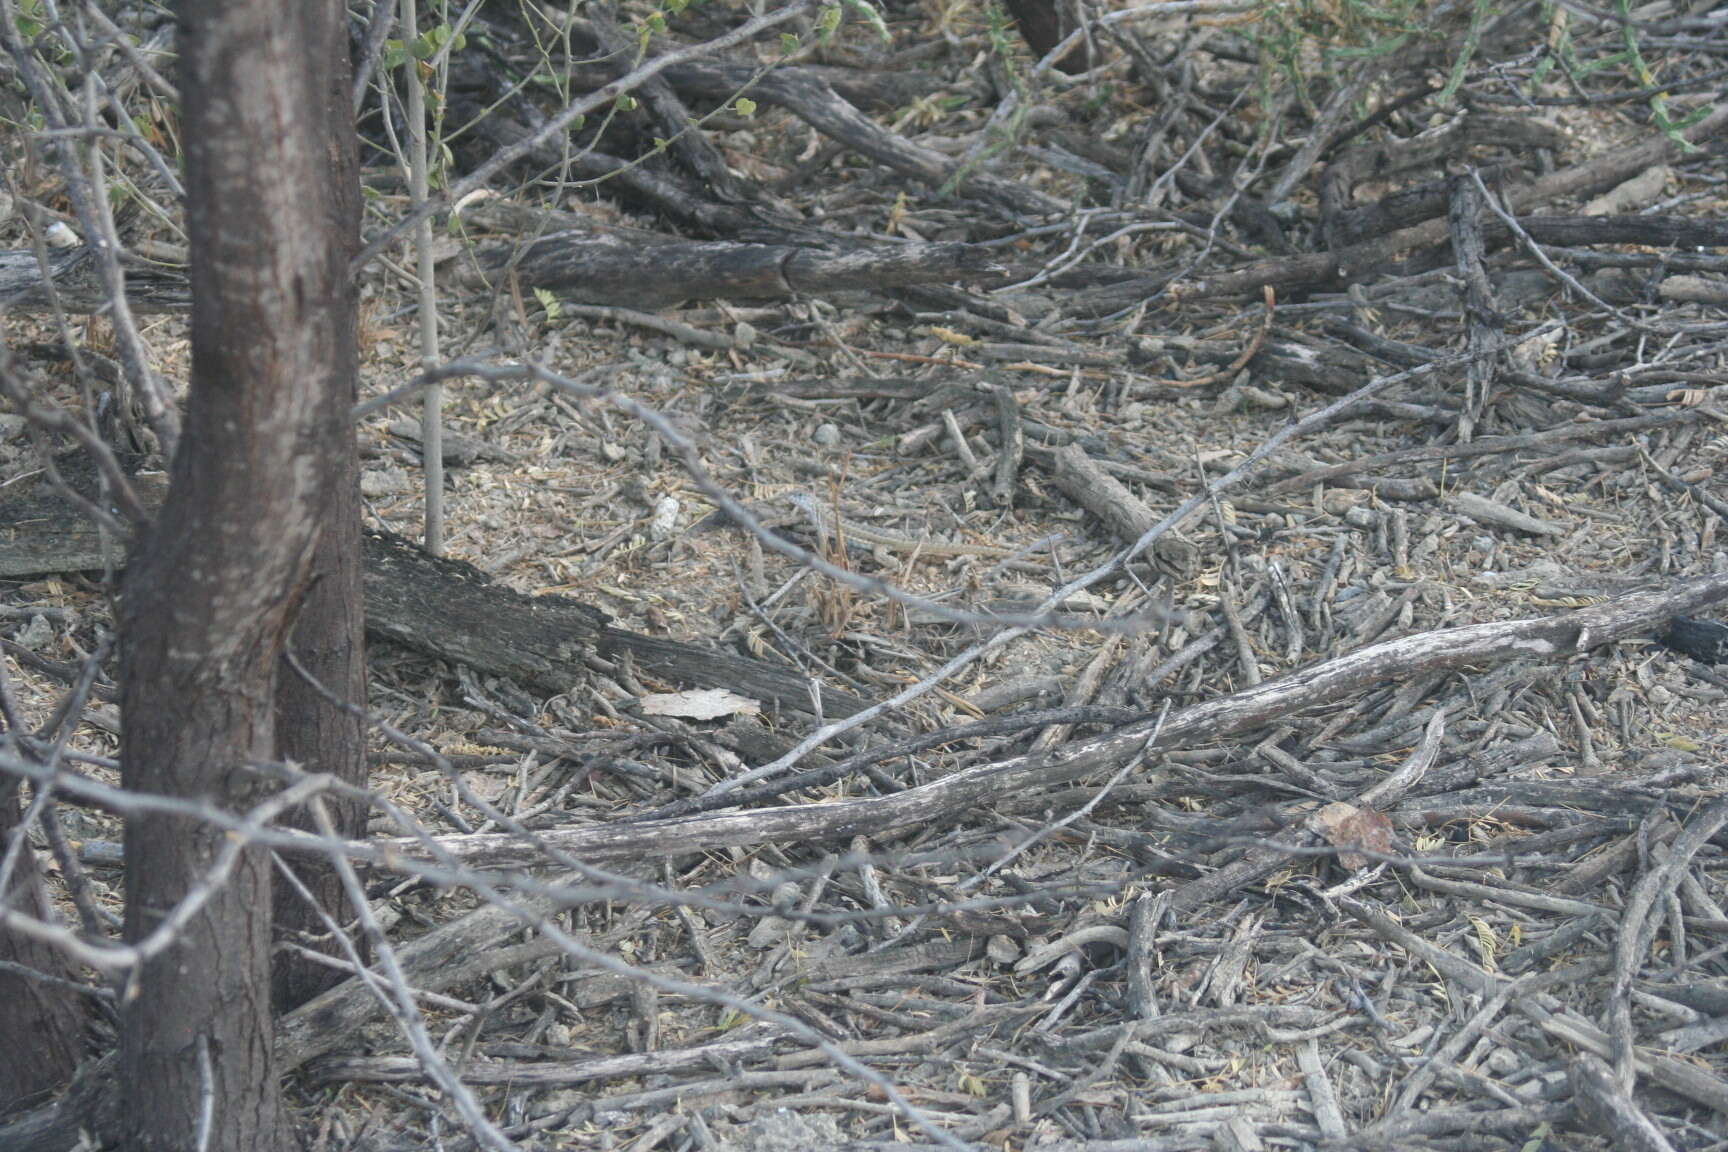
[(1185, 955)]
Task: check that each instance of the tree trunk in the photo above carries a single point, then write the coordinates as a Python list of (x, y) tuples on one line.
[(42, 1022), (329, 635), (209, 600)]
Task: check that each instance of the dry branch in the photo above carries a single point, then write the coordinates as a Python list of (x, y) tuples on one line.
[(1394, 661), (615, 271), (1358, 260)]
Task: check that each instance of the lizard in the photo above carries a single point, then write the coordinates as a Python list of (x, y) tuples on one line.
[(826, 525)]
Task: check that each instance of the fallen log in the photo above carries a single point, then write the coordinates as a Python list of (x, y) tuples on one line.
[(1358, 260), (77, 279), (598, 269), (445, 608), (580, 265)]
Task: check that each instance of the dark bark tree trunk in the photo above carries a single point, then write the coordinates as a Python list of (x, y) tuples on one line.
[(329, 637), (210, 598), (42, 1022), (1043, 25)]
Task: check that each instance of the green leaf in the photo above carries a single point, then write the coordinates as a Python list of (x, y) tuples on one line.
[(1692, 117), (549, 302), (746, 106), (788, 42), (626, 102), (436, 38), (867, 11), (826, 23)]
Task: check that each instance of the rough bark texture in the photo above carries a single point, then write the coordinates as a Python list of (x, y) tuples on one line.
[(329, 633), (43, 1023), (617, 271), (209, 598), (443, 607), (1044, 24), (452, 608)]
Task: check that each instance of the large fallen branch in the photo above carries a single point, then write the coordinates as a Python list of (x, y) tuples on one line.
[(1356, 261), (810, 94), (77, 277), (584, 267), (448, 609), (610, 270), (1394, 661)]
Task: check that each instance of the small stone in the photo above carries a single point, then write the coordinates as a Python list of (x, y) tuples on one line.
[(36, 635), (665, 521), (827, 435), (1502, 1062), (384, 482)]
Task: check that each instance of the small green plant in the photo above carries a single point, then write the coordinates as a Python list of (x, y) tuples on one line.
[(1479, 15), (424, 46), (1002, 136), (553, 307), (868, 13), (30, 19), (1563, 53), (1646, 78), (828, 21), (1296, 40)]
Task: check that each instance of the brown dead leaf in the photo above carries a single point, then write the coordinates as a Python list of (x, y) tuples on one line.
[(1347, 826)]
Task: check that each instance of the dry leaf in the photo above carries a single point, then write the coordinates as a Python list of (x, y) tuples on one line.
[(700, 704), (1345, 825)]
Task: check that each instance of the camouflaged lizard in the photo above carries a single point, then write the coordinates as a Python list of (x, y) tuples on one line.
[(827, 525)]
